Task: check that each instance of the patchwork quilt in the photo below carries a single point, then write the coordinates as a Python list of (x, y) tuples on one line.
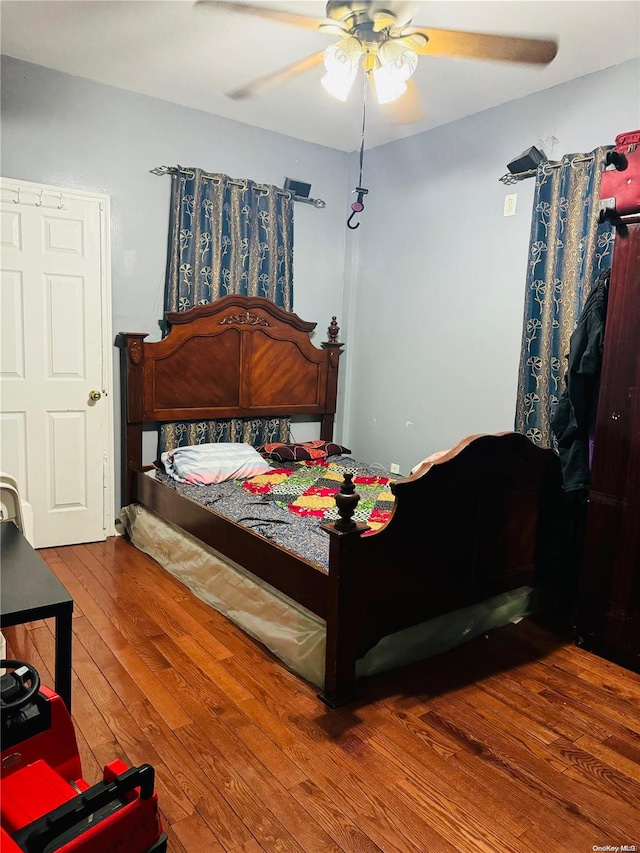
[(308, 488)]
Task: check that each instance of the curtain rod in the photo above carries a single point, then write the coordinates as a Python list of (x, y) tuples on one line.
[(170, 170), (547, 166)]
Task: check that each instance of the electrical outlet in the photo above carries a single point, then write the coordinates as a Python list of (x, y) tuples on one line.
[(394, 468), (510, 204)]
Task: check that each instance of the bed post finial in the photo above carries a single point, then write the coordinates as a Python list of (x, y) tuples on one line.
[(347, 499), (333, 344), (333, 331), (334, 349)]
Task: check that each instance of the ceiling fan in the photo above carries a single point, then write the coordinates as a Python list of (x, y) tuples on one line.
[(386, 45)]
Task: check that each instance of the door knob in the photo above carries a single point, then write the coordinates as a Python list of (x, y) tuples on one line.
[(94, 395)]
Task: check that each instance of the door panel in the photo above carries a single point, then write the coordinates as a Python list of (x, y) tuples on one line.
[(54, 438), (13, 435), (12, 313)]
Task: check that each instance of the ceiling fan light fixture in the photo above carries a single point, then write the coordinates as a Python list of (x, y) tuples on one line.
[(385, 43)]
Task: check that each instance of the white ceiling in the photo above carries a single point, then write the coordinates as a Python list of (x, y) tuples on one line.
[(191, 54)]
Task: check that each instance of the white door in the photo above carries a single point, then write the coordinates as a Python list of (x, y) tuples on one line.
[(55, 429)]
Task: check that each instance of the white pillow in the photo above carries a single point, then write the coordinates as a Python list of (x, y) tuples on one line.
[(214, 463)]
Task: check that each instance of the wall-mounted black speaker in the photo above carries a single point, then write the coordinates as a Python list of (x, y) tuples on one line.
[(298, 188), (529, 159)]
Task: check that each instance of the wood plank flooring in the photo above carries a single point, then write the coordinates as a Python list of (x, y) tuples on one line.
[(515, 742)]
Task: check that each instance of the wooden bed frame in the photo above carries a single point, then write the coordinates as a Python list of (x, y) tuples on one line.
[(480, 521)]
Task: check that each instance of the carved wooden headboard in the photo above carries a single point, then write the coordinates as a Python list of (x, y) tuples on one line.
[(238, 357)]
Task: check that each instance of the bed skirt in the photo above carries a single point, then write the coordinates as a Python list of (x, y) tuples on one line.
[(293, 634)]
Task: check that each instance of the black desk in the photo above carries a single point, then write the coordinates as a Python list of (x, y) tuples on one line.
[(31, 591)]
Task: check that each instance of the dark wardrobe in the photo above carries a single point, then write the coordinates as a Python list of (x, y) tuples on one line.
[(608, 611)]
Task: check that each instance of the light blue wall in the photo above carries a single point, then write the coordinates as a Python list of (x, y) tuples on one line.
[(66, 131), (439, 279), (428, 292)]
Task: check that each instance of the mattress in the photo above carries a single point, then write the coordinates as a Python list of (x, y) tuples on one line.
[(288, 507)]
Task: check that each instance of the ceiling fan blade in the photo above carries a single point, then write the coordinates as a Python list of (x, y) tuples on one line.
[(270, 81), (282, 15), (484, 46), (407, 109)]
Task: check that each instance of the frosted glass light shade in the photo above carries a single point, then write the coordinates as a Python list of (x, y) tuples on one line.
[(394, 54), (339, 83), (341, 61), (396, 63), (343, 55), (389, 84)]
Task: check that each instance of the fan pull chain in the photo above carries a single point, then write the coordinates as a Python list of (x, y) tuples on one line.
[(358, 206)]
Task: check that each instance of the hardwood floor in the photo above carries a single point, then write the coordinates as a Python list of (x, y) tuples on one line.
[(515, 742)]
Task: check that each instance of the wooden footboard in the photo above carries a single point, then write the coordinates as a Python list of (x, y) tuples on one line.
[(481, 520)]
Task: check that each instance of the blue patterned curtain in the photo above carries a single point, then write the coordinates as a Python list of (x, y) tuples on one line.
[(568, 250), (227, 236)]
